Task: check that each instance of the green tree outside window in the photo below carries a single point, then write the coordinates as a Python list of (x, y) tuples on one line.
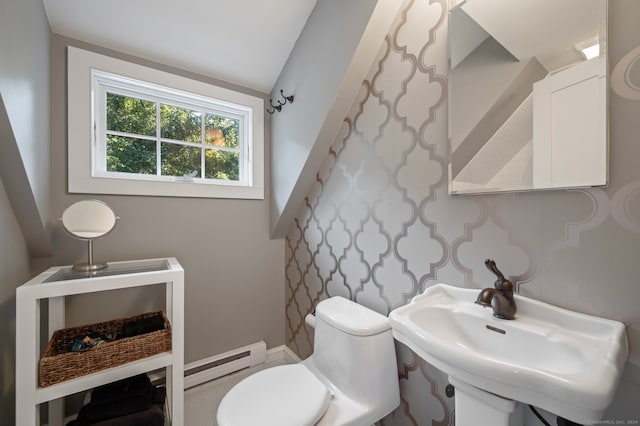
[(133, 143)]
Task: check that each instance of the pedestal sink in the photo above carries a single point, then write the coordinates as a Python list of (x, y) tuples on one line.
[(561, 361)]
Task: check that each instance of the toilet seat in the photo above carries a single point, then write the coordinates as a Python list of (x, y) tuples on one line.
[(287, 395)]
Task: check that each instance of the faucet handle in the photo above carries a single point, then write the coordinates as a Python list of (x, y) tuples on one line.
[(491, 265), (501, 283)]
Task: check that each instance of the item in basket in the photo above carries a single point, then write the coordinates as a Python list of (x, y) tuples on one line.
[(85, 343), (78, 345), (92, 341), (143, 325), (106, 337)]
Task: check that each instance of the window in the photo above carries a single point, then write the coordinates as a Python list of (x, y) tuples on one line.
[(155, 133), (148, 132)]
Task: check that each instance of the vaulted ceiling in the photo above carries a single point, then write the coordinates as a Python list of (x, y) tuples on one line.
[(245, 42)]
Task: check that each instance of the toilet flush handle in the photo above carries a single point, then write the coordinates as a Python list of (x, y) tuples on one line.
[(310, 319)]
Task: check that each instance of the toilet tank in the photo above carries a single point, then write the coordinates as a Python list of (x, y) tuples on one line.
[(354, 349)]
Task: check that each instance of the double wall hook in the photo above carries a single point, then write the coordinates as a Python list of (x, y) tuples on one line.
[(278, 107)]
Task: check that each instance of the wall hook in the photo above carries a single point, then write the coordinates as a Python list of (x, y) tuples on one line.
[(286, 98), (280, 104), (274, 108)]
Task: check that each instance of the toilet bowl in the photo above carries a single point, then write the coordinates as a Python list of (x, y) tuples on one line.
[(350, 379)]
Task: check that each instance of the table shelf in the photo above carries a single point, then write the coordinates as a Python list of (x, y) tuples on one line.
[(58, 282)]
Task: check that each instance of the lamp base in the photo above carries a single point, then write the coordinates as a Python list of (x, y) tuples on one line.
[(87, 267)]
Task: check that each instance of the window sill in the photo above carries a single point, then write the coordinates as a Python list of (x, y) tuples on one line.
[(99, 185)]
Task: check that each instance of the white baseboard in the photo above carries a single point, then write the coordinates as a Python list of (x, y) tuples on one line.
[(282, 353)]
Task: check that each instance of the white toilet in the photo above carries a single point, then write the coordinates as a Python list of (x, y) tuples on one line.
[(350, 379)]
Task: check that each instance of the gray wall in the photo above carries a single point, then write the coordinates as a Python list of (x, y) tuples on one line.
[(24, 167), (24, 116), (379, 227), (323, 72), (233, 272), (14, 270)]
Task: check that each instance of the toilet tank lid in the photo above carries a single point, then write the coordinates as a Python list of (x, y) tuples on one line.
[(351, 317)]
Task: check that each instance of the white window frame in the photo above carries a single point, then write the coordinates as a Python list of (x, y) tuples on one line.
[(88, 75)]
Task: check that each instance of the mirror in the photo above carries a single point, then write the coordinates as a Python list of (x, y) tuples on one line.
[(87, 220), (527, 95)]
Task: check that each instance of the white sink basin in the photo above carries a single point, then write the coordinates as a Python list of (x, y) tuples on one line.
[(561, 361)]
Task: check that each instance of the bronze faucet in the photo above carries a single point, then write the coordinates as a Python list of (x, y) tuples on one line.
[(500, 298)]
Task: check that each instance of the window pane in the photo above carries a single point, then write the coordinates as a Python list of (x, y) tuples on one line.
[(131, 115), (221, 131), (180, 123), (180, 160), (131, 155), (221, 164)]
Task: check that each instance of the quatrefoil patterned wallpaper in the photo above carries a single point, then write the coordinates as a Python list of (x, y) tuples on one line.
[(379, 227)]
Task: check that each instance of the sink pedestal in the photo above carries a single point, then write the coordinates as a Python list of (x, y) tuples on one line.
[(475, 407)]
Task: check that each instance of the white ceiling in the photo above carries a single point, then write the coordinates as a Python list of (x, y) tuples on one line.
[(245, 42)]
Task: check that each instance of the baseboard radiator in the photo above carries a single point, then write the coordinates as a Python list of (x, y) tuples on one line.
[(211, 368), (207, 369)]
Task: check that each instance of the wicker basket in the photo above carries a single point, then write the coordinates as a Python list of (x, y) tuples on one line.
[(57, 364)]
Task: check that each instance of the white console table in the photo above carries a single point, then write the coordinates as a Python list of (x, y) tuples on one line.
[(56, 283)]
